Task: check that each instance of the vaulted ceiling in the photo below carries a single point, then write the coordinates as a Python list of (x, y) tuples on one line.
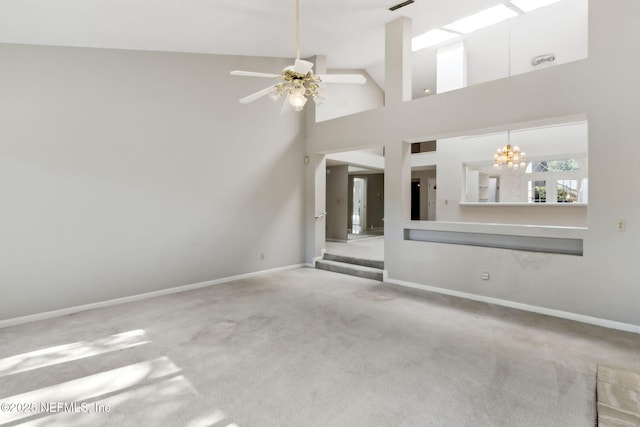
[(349, 32)]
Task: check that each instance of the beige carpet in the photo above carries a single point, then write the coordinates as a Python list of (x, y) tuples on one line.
[(306, 348)]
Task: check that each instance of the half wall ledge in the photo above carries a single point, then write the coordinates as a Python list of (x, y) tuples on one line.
[(551, 245)]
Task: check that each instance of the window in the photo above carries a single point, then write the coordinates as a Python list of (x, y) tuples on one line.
[(423, 147), (554, 166), (537, 192), (567, 190), (566, 177)]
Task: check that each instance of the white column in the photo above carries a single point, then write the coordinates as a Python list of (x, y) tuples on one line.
[(316, 205), (315, 180), (398, 69)]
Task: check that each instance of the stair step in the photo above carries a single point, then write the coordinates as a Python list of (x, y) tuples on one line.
[(352, 260), (618, 397), (351, 269)]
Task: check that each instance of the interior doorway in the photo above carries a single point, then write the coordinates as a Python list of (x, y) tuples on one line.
[(493, 192), (359, 207), (366, 204), (415, 199), (423, 193), (355, 195)]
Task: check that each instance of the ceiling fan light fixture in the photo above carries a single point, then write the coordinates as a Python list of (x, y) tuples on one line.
[(274, 95), (297, 82), (297, 90), (297, 97), (297, 102)]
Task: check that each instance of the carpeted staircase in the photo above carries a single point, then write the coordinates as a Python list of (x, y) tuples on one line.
[(367, 268)]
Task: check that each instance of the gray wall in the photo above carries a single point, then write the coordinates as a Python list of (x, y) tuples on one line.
[(125, 172), (337, 202)]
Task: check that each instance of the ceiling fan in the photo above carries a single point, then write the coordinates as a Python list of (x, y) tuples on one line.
[(297, 81)]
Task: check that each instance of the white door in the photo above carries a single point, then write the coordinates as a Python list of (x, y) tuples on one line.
[(431, 199)]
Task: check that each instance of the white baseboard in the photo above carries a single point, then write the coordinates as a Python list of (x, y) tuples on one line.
[(611, 324), (71, 310), (312, 264), (317, 258)]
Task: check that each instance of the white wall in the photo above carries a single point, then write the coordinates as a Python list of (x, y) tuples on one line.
[(346, 99), (451, 63), (507, 48), (376, 72), (600, 284), (488, 54), (560, 28), (126, 172), (424, 73)]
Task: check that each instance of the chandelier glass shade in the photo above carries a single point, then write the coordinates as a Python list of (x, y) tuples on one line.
[(512, 158)]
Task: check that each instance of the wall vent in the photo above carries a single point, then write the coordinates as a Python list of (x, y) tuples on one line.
[(399, 5)]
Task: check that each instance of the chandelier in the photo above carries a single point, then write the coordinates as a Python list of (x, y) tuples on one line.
[(513, 158)]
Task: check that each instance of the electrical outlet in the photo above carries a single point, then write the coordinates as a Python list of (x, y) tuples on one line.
[(261, 256), (484, 275), (620, 225)]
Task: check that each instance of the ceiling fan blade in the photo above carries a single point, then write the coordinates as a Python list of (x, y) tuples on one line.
[(302, 66), (286, 107), (253, 74), (328, 96), (342, 78), (256, 95)]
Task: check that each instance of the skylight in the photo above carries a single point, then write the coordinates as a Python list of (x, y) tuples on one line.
[(529, 5), (483, 19), (431, 38)]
